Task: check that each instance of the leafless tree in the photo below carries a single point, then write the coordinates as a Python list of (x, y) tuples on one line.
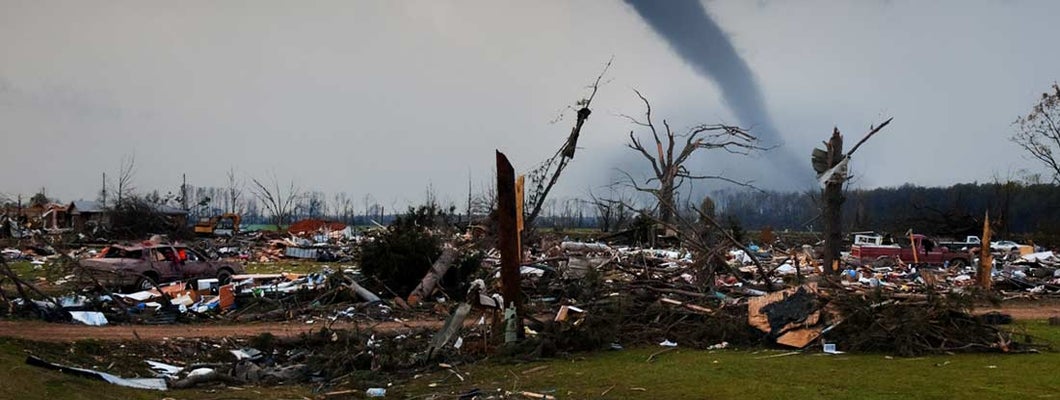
[(235, 193), (485, 202), (277, 200), (343, 207), (668, 162), (125, 177), (312, 204), (430, 197), (370, 207), (1039, 131), (613, 212), (569, 214)]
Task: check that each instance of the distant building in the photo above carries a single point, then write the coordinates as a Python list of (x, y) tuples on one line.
[(86, 213), (49, 216)]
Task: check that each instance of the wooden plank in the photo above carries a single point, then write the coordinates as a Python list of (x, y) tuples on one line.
[(758, 319), (800, 338)]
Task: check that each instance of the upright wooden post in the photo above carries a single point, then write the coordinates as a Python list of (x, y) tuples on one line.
[(916, 248), (508, 243), (520, 184), (986, 259)]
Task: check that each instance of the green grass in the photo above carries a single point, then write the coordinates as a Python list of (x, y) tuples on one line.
[(677, 374), (298, 267), (21, 381), (34, 275), (736, 373), (27, 271), (259, 227)]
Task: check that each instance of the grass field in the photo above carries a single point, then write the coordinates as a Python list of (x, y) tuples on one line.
[(727, 374), (626, 374)]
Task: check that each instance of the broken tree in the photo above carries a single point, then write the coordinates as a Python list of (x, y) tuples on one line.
[(668, 166), (831, 166), (541, 181), (986, 258), (434, 275), (508, 244)]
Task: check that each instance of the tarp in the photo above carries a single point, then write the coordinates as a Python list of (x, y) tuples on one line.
[(94, 318), (136, 383)]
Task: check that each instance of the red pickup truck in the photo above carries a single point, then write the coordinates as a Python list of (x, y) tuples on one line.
[(927, 252)]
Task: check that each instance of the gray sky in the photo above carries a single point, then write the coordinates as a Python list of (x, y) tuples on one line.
[(386, 97)]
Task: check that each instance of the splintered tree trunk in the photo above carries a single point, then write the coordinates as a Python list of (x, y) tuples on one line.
[(434, 275), (508, 239), (986, 259), (833, 208)]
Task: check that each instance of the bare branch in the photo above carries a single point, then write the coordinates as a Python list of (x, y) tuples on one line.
[(1039, 131), (746, 184), (125, 177), (276, 201)]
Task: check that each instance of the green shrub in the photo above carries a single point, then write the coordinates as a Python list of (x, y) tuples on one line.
[(400, 255)]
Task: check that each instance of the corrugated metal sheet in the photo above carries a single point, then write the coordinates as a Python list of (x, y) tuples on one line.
[(302, 252)]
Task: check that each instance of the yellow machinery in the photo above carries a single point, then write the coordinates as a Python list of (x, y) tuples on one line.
[(223, 225)]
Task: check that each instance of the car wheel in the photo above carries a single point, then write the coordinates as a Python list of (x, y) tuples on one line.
[(224, 277), (145, 282)]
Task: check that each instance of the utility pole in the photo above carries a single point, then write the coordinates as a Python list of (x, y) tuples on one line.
[(184, 192), (469, 198), (104, 191), (18, 219)]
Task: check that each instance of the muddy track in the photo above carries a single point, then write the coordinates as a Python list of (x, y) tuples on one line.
[(58, 332), (1026, 310)]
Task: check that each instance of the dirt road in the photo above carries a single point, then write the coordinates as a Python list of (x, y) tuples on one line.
[(1026, 310), (56, 332)]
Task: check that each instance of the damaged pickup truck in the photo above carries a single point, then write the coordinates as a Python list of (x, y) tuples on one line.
[(143, 266), (920, 250)]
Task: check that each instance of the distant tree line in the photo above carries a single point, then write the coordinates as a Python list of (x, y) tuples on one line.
[(1015, 209)]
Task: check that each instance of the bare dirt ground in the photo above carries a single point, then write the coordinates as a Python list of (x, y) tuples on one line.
[(1026, 310), (57, 332)]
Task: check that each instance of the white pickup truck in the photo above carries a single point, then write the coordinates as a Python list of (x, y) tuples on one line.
[(968, 243)]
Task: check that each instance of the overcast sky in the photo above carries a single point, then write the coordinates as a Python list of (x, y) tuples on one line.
[(386, 97)]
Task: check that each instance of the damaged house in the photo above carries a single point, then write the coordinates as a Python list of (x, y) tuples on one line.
[(86, 215), (49, 217)]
